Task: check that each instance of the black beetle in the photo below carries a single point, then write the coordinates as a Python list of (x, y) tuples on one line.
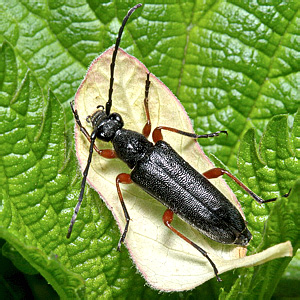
[(163, 174)]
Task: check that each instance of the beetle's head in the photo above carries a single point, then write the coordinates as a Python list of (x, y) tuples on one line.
[(106, 125)]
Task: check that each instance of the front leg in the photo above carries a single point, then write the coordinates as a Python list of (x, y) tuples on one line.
[(157, 135), (107, 153), (147, 127)]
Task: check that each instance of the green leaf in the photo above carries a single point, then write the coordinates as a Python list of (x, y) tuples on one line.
[(17, 259), (39, 173), (232, 65), (277, 151), (271, 169)]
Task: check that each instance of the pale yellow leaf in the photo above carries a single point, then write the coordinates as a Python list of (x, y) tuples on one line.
[(166, 261)]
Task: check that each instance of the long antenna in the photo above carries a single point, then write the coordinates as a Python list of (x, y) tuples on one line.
[(94, 133), (112, 65), (85, 173)]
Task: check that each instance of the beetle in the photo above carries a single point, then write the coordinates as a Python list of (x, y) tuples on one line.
[(161, 172)]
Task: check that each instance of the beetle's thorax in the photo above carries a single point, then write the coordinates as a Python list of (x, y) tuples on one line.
[(131, 146)]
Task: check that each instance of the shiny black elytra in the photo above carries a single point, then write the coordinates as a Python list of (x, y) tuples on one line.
[(163, 174)]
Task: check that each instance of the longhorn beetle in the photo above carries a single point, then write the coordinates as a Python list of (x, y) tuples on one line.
[(162, 173)]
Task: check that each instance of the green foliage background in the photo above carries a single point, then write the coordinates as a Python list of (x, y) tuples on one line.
[(234, 65)]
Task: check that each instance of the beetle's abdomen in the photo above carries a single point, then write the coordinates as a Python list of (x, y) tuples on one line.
[(166, 176)]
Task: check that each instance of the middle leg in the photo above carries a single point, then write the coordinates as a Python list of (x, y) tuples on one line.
[(123, 178), (217, 172)]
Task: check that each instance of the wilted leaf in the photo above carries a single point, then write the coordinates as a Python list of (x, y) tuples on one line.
[(153, 247)]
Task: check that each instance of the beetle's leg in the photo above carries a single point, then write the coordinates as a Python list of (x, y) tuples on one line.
[(107, 153), (216, 172), (157, 135), (123, 178), (168, 218), (147, 127)]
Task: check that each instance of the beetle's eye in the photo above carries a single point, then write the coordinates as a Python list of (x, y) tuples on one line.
[(116, 117)]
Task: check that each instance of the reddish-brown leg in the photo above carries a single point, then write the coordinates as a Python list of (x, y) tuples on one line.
[(167, 219), (217, 172), (157, 135), (123, 178), (107, 153), (147, 127)]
